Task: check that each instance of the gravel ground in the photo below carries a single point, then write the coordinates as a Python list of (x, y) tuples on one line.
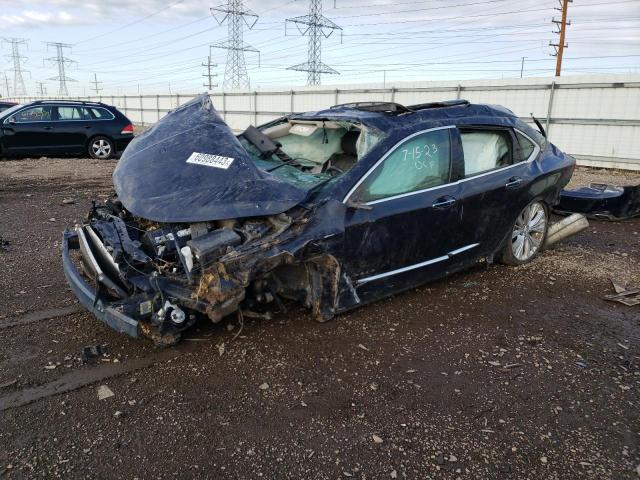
[(495, 373)]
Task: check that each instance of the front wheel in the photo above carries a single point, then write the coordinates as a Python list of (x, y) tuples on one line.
[(527, 235), (101, 148)]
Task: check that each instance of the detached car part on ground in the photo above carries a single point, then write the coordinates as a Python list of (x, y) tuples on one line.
[(332, 209), (601, 201)]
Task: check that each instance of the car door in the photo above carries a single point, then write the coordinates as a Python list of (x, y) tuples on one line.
[(403, 218), (493, 188), (72, 126), (29, 130)]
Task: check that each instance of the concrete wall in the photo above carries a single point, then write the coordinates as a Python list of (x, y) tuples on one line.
[(595, 118)]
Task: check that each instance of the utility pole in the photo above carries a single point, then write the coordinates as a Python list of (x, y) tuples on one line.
[(209, 76), (61, 61), (18, 81), (562, 31), (315, 26), (522, 67), (96, 84), (235, 14), (41, 87), (6, 84)]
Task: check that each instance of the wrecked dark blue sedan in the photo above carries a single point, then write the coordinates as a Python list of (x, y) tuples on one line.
[(331, 209)]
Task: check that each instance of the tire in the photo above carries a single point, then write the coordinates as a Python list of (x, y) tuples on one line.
[(528, 235), (101, 148)]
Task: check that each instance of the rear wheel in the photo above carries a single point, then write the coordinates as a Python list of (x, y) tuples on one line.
[(527, 235), (101, 148)]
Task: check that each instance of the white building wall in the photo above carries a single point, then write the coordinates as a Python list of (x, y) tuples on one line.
[(595, 118)]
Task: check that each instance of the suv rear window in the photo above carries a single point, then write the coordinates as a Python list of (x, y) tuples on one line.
[(102, 113)]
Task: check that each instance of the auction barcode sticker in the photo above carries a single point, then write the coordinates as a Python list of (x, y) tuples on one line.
[(208, 160)]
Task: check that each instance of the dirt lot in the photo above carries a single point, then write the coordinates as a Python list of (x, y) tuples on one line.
[(509, 373)]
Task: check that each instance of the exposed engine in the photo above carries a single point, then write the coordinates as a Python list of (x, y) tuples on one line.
[(168, 275)]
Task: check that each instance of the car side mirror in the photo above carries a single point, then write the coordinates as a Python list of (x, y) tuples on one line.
[(11, 120), (358, 205)]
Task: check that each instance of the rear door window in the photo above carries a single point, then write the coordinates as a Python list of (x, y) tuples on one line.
[(422, 161), (71, 113), (34, 114), (485, 150)]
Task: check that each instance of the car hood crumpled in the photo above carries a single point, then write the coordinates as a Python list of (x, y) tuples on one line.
[(154, 179)]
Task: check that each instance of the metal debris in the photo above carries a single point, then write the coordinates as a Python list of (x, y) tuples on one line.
[(92, 351), (104, 392), (630, 296)]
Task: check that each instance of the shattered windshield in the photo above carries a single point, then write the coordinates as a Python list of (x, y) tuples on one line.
[(308, 153)]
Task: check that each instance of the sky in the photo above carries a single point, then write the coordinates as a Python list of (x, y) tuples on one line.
[(158, 47)]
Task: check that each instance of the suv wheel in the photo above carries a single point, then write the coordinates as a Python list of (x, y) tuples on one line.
[(101, 148)]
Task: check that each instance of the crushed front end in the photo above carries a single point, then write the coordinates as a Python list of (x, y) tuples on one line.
[(205, 224), (158, 279)]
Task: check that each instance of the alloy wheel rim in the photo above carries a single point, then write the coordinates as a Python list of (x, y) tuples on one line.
[(101, 148), (528, 232)]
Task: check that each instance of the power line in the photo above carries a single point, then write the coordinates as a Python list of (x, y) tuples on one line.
[(480, 15), (122, 27), (61, 61), (18, 80), (129, 42), (236, 16), (416, 10), (315, 26)]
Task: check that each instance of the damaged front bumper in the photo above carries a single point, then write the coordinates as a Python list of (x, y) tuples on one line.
[(88, 296), (157, 280)]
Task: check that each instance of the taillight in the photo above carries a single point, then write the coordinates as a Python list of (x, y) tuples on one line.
[(127, 129)]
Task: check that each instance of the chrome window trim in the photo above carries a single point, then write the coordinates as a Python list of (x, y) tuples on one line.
[(101, 119), (417, 265), (6, 120), (27, 108), (90, 119), (532, 157), (385, 156)]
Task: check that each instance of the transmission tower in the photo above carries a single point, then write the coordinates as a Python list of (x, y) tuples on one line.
[(209, 75), (96, 84), (562, 31), (236, 16), (315, 26), (61, 61), (18, 81)]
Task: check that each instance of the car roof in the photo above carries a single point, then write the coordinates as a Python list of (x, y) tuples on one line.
[(69, 102), (389, 115)]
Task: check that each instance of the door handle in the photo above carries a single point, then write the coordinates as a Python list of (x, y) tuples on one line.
[(513, 182), (87, 126), (48, 127), (444, 202)]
